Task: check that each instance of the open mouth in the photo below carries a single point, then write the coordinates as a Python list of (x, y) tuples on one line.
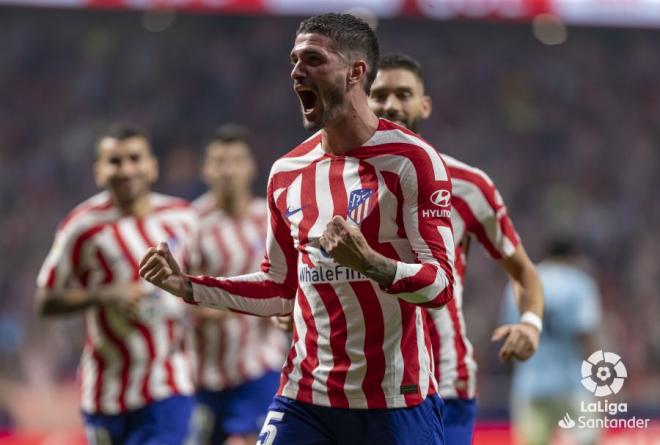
[(308, 99)]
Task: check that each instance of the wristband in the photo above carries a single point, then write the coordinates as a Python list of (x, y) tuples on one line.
[(532, 319)]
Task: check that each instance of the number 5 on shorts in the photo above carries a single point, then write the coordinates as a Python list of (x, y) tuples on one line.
[(269, 431)]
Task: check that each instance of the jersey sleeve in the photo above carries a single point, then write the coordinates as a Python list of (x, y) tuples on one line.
[(427, 222), (270, 291), (58, 270), (482, 209)]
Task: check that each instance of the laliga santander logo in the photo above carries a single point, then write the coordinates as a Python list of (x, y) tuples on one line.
[(603, 373)]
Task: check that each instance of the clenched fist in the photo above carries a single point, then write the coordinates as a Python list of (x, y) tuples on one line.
[(159, 267), (345, 244), (348, 247)]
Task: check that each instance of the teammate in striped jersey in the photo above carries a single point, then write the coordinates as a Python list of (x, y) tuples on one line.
[(239, 356), (359, 242), (477, 212), (135, 369)]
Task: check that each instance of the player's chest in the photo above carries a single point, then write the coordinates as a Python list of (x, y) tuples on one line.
[(364, 196)]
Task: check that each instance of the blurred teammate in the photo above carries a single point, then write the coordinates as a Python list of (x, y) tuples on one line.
[(239, 356), (356, 247), (547, 387), (477, 213), (135, 370)]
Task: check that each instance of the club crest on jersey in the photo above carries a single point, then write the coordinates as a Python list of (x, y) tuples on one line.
[(359, 205)]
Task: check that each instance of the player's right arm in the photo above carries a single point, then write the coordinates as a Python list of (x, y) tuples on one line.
[(70, 301), (50, 302), (268, 292), (58, 291)]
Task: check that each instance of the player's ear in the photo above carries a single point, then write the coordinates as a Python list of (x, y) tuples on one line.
[(357, 72), (427, 107)]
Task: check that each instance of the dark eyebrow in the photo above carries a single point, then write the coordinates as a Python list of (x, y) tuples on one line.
[(307, 51), (385, 88)]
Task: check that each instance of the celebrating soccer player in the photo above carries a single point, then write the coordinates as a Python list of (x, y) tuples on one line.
[(477, 212), (359, 242), (239, 356), (135, 372)]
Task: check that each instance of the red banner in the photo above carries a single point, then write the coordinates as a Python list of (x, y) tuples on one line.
[(599, 12)]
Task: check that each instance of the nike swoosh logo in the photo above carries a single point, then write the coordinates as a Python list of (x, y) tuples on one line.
[(289, 213)]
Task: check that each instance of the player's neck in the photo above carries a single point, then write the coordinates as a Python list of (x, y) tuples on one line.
[(139, 208), (235, 204), (350, 130)]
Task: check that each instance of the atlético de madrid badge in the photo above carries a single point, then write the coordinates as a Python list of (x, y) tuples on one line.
[(359, 205)]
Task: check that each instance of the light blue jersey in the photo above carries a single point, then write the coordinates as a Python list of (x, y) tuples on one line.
[(572, 308)]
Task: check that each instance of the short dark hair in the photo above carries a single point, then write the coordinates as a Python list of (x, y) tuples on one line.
[(124, 130), (229, 133), (121, 131), (404, 62), (349, 34)]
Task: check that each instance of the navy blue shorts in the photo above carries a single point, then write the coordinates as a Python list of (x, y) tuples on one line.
[(235, 411), (459, 419), (290, 422), (165, 422)]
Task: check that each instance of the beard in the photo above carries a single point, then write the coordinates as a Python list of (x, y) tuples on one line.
[(331, 106), (129, 192), (411, 123)]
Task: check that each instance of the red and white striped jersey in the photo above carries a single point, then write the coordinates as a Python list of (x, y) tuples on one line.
[(235, 348), (355, 344), (477, 211), (127, 362)]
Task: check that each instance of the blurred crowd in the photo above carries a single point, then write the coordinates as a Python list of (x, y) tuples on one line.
[(569, 133)]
